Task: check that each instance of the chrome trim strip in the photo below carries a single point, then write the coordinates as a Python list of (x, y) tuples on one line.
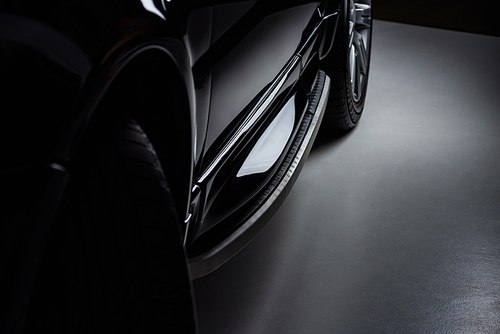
[(315, 32), (208, 262)]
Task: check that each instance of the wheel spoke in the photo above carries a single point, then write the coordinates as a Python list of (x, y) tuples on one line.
[(359, 65), (359, 31), (362, 57), (357, 88), (363, 16), (353, 66), (352, 17)]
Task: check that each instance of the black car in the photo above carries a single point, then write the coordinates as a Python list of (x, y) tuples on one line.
[(145, 142)]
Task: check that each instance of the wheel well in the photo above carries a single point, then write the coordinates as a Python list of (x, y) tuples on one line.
[(151, 90)]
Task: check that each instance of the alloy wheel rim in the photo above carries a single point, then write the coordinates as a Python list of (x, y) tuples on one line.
[(359, 45)]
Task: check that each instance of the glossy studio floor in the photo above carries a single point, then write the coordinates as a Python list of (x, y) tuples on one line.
[(394, 227)]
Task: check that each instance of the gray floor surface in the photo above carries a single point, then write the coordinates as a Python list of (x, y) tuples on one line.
[(394, 227)]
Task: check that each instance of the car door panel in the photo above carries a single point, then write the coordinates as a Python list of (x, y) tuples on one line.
[(255, 67), (254, 61)]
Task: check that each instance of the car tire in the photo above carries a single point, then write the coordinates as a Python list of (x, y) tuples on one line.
[(116, 261), (348, 64)]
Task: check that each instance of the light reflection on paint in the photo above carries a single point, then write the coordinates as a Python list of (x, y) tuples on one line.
[(150, 7), (272, 143)]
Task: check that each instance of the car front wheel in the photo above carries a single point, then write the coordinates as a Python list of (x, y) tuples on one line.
[(116, 262)]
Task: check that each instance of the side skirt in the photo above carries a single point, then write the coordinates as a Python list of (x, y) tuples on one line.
[(205, 263)]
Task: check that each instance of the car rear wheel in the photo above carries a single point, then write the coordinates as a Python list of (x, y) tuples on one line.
[(348, 65), (116, 262)]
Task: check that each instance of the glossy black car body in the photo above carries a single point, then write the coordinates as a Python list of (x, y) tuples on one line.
[(228, 92)]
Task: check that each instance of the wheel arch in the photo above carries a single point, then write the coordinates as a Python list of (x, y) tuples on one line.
[(153, 88)]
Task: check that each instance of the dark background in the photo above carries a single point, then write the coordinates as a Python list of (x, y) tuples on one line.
[(477, 16)]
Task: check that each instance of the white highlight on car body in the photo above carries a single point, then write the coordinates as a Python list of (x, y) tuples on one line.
[(150, 7), (272, 143)]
